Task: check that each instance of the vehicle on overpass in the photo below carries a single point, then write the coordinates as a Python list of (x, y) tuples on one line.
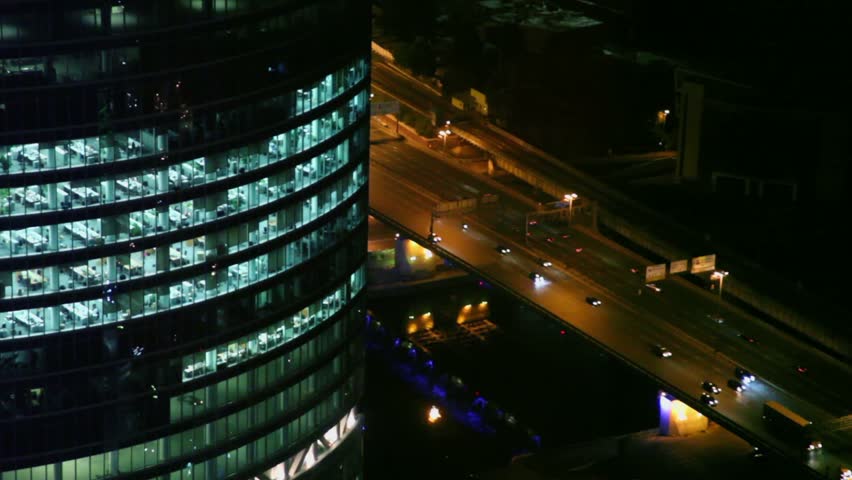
[(662, 351), (737, 385), (593, 301), (789, 424), (709, 400)]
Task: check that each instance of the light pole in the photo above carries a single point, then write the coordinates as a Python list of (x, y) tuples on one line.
[(570, 197), (719, 275), (444, 134)]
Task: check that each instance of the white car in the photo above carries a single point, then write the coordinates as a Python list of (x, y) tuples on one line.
[(536, 277), (544, 263), (435, 238), (503, 250), (662, 351), (654, 287)]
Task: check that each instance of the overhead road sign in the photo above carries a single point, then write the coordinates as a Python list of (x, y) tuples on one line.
[(384, 108), (704, 263), (655, 273), (678, 266)]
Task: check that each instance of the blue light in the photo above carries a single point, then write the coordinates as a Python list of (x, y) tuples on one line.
[(430, 364), (439, 391), (396, 341)]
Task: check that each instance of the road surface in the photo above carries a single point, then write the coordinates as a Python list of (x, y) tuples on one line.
[(406, 180)]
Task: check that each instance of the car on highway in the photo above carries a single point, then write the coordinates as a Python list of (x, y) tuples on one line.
[(757, 454), (593, 301), (536, 277), (544, 263), (711, 387), (748, 338), (709, 400), (801, 369), (736, 385), (814, 445), (504, 250), (744, 375), (654, 287), (662, 351), (435, 238), (716, 318)]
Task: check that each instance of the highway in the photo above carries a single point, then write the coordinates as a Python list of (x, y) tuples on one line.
[(407, 179), (391, 81)]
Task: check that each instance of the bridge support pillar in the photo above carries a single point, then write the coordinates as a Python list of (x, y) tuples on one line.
[(679, 419)]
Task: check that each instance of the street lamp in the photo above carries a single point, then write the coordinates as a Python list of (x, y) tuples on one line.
[(434, 414), (570, 197), (444, 134), (719, 275)]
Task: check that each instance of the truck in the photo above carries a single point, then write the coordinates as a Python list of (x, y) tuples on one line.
[(790, 425)]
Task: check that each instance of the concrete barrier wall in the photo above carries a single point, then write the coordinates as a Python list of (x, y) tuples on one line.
[(382, 52), (543, 184), (837, 341)]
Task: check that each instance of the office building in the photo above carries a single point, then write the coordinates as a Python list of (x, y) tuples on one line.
[(182, 238)]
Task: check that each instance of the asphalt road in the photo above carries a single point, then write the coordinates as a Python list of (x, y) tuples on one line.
[(406, 180), (415, 95)]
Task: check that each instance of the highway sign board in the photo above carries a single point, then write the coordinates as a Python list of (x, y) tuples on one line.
[(489, 198), (678, 266), (704, 263), (384, 108), (455, 206), (654, 273)]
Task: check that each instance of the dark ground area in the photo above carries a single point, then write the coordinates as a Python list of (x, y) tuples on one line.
[(552, 383)]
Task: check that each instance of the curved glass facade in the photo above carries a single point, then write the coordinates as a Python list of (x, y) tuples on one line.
[(183, 202)]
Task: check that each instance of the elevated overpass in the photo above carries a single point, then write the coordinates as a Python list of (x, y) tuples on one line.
[(627, 217), (404, 188)]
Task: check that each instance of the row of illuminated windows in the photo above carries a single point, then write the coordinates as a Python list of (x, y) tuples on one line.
[(201, 128), (258, 343), (315, 454), (117, 305), (204, 170), (187, 106), (203, 400), (156, 260), (138, 457), (122, 227), (121, 17), (98, 64), (54, 394)]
